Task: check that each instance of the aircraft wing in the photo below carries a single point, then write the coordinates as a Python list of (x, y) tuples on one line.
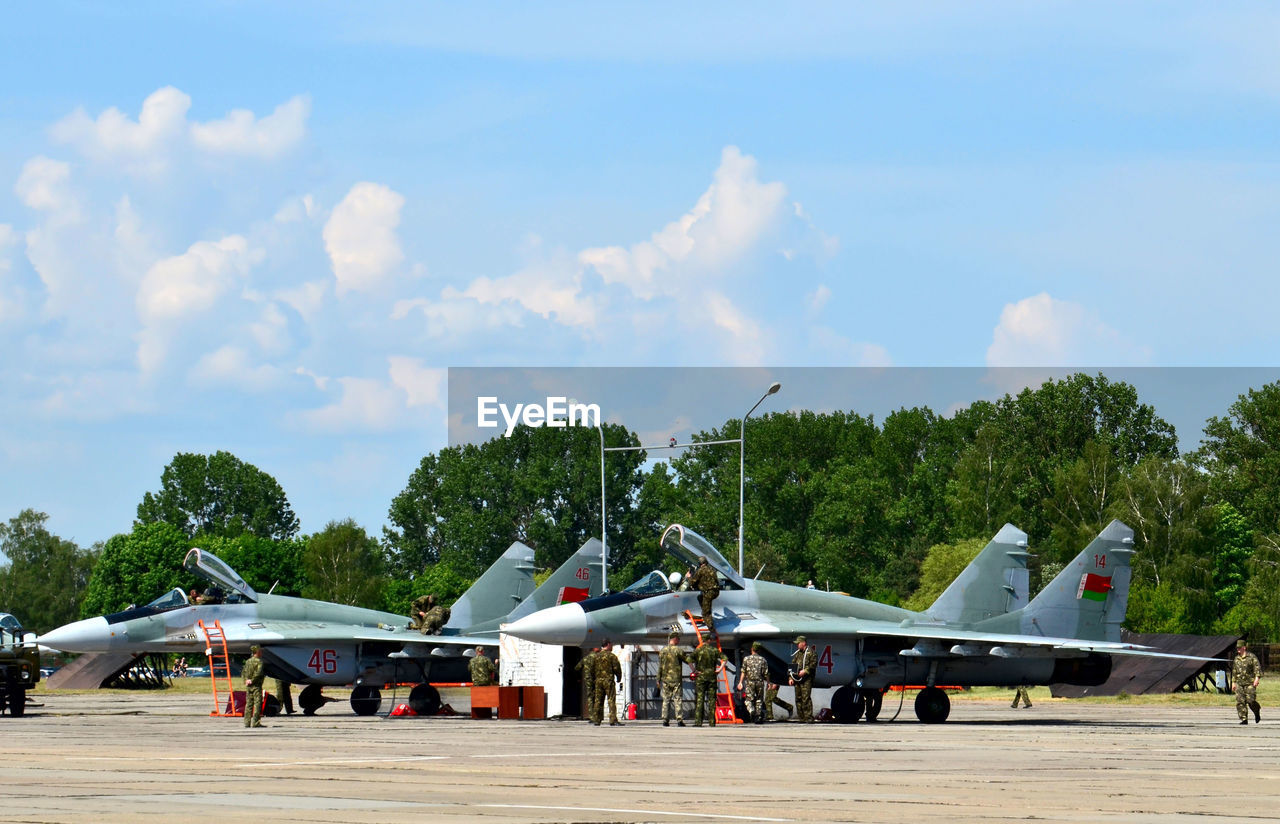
[(276, 632), (937, 639)]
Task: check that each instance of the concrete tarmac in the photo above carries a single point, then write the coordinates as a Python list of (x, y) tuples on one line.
[(127, 757)]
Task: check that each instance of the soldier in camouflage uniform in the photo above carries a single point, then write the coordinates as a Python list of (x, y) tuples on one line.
[(706, 659), (587, 666), (670, 675), (754, 672), (771, 698), (608, 673), (255, 673), (803, 662), (481, 669), (708, 585), (285, 694), (1245, 674)]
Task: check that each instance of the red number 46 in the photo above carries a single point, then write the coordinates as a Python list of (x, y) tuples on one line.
[(325, 661)]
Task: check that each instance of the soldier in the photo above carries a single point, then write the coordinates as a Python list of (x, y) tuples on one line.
[(771, 698), (418, 610), (285, 694), (427, 616), (1023, 696), (1245, 674), (481, 669), (608, 673), (705, 581), (755, 671), (587, 666), (803, 660), (254, 674), (670, 673), (706, 660)]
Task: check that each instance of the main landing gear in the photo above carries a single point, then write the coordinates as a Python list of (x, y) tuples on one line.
[(848, 704), (932, 705)]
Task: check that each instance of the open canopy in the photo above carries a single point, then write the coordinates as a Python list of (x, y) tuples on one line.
[(213, 569), (687, 546)]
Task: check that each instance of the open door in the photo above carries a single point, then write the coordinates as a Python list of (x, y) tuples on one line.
[(213, 569)]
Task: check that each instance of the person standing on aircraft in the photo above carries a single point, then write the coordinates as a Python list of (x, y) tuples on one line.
[(285, 694), (671, 663), (254, 672), (608, 674), (708, 585), (587, 666), (427, 616), (706, 661), (810, 585), (481, 669), (1245, 675), (803, 661), (754, 672), (1023, 696)]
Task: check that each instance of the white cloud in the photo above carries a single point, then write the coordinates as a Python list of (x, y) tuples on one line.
[(746, 341), (43, 185), (360, 237), (1044, 331), (305, 298), (818, 298), (242, 134), (729, 218), (146, 145), (552, 291), (838, 350), (455, 316), (424, 386), (231, 366), (8, 240)]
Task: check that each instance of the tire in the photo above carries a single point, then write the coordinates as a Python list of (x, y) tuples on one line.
[(17, 702), (847, 705), (875, 699), (271, 706), (932, 705), (366, 700), (424, 699)]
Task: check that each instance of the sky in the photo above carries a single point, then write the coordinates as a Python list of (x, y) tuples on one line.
[(273, 228)]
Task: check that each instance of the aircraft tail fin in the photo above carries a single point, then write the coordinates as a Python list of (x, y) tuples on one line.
[(578, 578), (1088, 598), (502, 586), (994, 583)]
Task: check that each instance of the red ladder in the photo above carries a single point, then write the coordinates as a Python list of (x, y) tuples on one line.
[(219, 667), (725, 713)]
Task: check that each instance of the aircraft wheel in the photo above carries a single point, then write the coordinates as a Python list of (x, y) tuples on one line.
[(365, 700), (310, 699), (424, 699), (740, 708), (932, 705), (847, 705), (271, 707), (17, 703), (875, 698)]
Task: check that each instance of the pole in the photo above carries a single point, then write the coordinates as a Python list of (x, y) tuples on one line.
[(604, 523), (742, 463)]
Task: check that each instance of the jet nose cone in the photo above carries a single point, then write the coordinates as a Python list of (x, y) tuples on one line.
[(89, 635), (565, 625)]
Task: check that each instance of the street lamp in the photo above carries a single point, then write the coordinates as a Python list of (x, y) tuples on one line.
[(742, 463), (604, 518)]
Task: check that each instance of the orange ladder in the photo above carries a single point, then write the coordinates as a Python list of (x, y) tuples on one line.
[(725, 713), (219, 667)]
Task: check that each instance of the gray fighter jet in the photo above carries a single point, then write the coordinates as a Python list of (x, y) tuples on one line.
[(980, 632), (318, 643)]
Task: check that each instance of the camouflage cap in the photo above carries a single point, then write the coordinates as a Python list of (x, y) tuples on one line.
[(757, 645), (674, 635), (254, 649), (799, 639), (1242, 644)]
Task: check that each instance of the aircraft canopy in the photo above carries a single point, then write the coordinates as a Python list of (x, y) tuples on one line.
[(213, 569), (687, 545)]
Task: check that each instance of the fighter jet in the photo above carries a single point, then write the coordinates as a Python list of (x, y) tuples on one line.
[(318, 643), (1067, 634)]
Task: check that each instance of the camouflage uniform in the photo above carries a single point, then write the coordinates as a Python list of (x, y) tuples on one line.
[(608, 670), (755, 672), (254, 674), (1023, 696), (705, 660), (481, 670), (285, 695), (804, 659), (420, 604), (771, 698), (670, 678), (587, 666), (708, 585), (1244, 670)]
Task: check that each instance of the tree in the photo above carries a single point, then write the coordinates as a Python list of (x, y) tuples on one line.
[(261, 562), (137, 567), (344, 565), (1241, 453), (219, 495), (46, 577), (941, 566)]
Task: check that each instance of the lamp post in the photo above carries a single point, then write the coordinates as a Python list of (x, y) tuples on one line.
[(742, 463), (604, 519)]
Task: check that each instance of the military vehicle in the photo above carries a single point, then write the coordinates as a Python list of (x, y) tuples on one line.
[(19, 665)]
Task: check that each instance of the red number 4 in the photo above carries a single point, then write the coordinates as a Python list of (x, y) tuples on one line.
[(824, 660), (1100, 561)]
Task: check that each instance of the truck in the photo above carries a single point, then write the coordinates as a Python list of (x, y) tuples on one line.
[(19, 665)]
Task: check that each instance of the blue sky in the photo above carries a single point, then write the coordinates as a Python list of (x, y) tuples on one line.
[(270, 228)]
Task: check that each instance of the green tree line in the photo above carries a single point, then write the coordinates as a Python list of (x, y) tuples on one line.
[(888, 509)]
